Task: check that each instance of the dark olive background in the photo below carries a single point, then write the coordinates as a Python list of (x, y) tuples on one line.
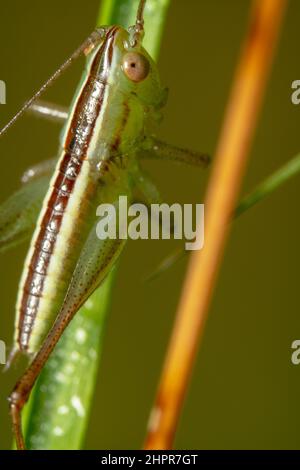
[(245, 391)]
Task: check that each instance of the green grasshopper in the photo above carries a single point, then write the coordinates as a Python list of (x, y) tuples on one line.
[(106, 134)]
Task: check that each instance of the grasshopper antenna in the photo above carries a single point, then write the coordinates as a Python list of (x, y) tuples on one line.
[(140, 13), (137, 31), (85, 48)]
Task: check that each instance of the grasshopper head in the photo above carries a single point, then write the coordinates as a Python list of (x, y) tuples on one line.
[(136, 72), (139, 69)]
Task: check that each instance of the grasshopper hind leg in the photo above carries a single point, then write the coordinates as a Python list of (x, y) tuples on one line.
[(95, 261)]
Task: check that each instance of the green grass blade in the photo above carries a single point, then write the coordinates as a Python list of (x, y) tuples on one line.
[(264, 189), (56, 416), (123, 12), (270, 184)]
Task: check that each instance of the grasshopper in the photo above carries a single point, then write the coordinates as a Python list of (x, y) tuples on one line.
[(106, 133)]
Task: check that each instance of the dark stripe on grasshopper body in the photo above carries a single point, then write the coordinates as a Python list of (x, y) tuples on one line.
[(76, 143)]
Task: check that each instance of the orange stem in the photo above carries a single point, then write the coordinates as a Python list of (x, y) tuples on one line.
[(229, 166)]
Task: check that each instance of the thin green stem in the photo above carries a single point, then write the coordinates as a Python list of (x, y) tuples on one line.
[(123, 12), (270, 184), (264, 189)]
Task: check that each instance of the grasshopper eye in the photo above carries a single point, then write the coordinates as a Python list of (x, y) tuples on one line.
[(135, 66)]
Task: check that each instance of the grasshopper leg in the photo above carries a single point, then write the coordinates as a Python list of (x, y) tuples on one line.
[(154, 148), (146, 192), (49, 111), (18, 214), (145, 189), (44, 168)]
